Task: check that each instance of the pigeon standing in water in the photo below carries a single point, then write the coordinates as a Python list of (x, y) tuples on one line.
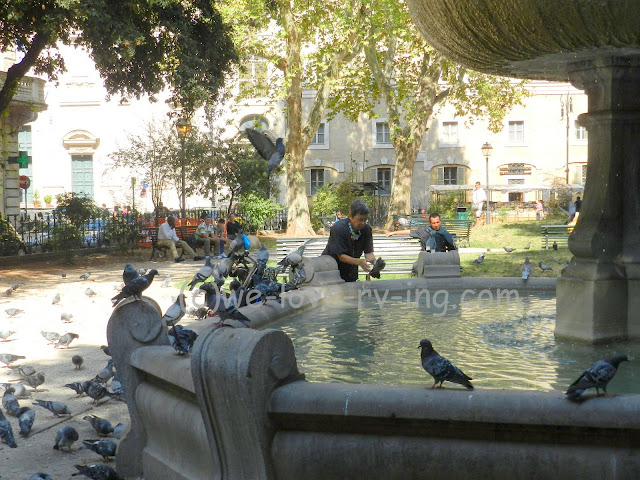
[(176, 311), (527, 269), (205, 272), (479, 260), (440, 368), (65, 438), (6, 433), (135, 287), (129, 273), (596, 376), (97, 472), (272, 153), (544, 268)]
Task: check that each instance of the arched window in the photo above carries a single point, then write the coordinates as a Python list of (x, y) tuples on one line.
[(254, 121)]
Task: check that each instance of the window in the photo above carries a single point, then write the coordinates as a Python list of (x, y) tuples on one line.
[(82, 174), (384, 181), (515, 181), (581, 132), (253, 78), (451, 176), (516, 132), (314, 179), (254, 121), (382, 132), (318, 139), (449, 133)]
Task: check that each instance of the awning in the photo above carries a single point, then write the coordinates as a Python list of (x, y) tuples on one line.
[(502, 188)]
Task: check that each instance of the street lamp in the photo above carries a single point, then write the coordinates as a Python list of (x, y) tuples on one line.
[(183, 127), (486, 151), (566, 109)]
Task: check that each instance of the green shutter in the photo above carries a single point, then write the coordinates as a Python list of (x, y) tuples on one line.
[(461, 175), (440, 175)]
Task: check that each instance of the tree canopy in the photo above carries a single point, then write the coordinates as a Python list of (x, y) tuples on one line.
[(138, 46)]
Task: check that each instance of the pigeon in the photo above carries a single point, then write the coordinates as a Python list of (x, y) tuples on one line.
[(301, 276), (527, 268), (20, 391), (89, 293), (200, 313), (26, 417), (35, 380), (25, 370), (66, 317), (106, 373), (479, 260), (221, 271), (205, 272), (57, 408), (555, 245), (262, 257), (105, 349), (15, 286), (596, 376), (9, 358), (56, 299), (97, 392), (129, 273), (66, 339), (214, 298), (292, 259), (527, 246), (97, 472), (10, 402), (142, 271), (119, 429), (272, 153), (378, 266), (166, 282), (175, 312), (51, 337), (135, 287), (566, 265), (5, 334), (440, 368), (65, 438), (77, 361), (105, 448), (6, 433), (85, 276), (116, 387), (182, 339), (102, 426), (63, 274), (12, 312), (8, 292), (495, 234), (40, 476), (79, 387), (509, 250), (544, 268)]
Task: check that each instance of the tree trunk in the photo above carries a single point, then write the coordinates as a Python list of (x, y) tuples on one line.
[(400, 201)]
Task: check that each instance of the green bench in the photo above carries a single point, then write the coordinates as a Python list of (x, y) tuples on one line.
[(555, 233), (460, 229)]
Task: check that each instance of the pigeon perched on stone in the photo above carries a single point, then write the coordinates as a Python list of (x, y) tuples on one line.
[(166, 282), (6, 432), (66, 339), (509, 250), (26, 417), (205, 272), (97, 472), (12, 312), (293, 258), (527, 269), (10, 402), (97, 392), (9, 358), (105, 448), (440, 368), (5, 334), (479, 260), (66, 317), (214, 298), (40, 476), (79, 387), (176, 311), (301, 276), (544, 268), (51, 337), (106, 373), (119, 429), (273, 153), (100, 425), (129, 273), (65, 438), (262, 257), (221, 271), (20, 391), (77, 361), (135, 287), (35, 380), (85, 276), (57, 408), (555, 245), (566, 265), (182, 339), (596, 376)]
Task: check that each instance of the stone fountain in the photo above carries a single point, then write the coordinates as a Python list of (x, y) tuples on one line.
[(595, 45)]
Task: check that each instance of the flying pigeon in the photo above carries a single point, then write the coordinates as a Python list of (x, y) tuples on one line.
[(205, 272), (77, 361), (97, 472), (378, 266), (26, 417), (479, 260), (66, 317), (102, 426), (105, 448), (440, 368), (5, 334), (50, 337), (57, 408), (135, 287), (6, 433), (182, 339), (555, 245), (544, 268), (527, 268), (175, 312), (12, 312), (508, 250), (85, 276), (35, 380), (56, 299), (66, 339), (9, 358), (129, 273), (527, 246), (596, 376), (65, 438), (272, 153)]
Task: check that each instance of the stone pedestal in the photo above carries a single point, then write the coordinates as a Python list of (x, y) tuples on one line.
[(438, 264), (320, 271)]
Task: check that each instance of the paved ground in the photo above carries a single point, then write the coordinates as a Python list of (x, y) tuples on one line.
[(39, 284)]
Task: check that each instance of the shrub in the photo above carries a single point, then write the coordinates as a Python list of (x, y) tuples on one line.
[(445, 205), (122, 231), (326, 203), (77, 208), (257, 210), (64, 238)]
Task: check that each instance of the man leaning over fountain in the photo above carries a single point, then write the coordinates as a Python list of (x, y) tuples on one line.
[(432, 237), (349, 238)]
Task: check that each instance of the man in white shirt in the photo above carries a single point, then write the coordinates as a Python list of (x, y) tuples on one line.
[(478, 199), (167, 237)]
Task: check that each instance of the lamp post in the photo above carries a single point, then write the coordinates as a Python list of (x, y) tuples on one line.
[(486, 151), (566, 108), (183, 127)]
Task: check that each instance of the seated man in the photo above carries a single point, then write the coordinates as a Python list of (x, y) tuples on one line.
[(221, 233), (348, 239), (433, 237), (167, 237), (206, 235)]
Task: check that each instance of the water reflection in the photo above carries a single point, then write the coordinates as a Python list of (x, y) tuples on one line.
[(506, 345)]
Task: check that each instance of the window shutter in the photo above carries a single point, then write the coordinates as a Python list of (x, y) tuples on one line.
[(461, 179), (373, 174), (326, 175), (440, 175), (307, 181)]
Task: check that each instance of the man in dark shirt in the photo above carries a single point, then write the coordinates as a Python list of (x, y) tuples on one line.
[(233, 228), (349, 238)]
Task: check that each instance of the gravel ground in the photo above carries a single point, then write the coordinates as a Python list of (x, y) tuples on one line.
[(38, 285)]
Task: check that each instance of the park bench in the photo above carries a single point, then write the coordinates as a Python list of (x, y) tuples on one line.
[(555, 233), (183, 232), (459, 228)]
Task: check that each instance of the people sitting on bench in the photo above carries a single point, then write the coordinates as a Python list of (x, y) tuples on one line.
[(433, 237), (168, 237)]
